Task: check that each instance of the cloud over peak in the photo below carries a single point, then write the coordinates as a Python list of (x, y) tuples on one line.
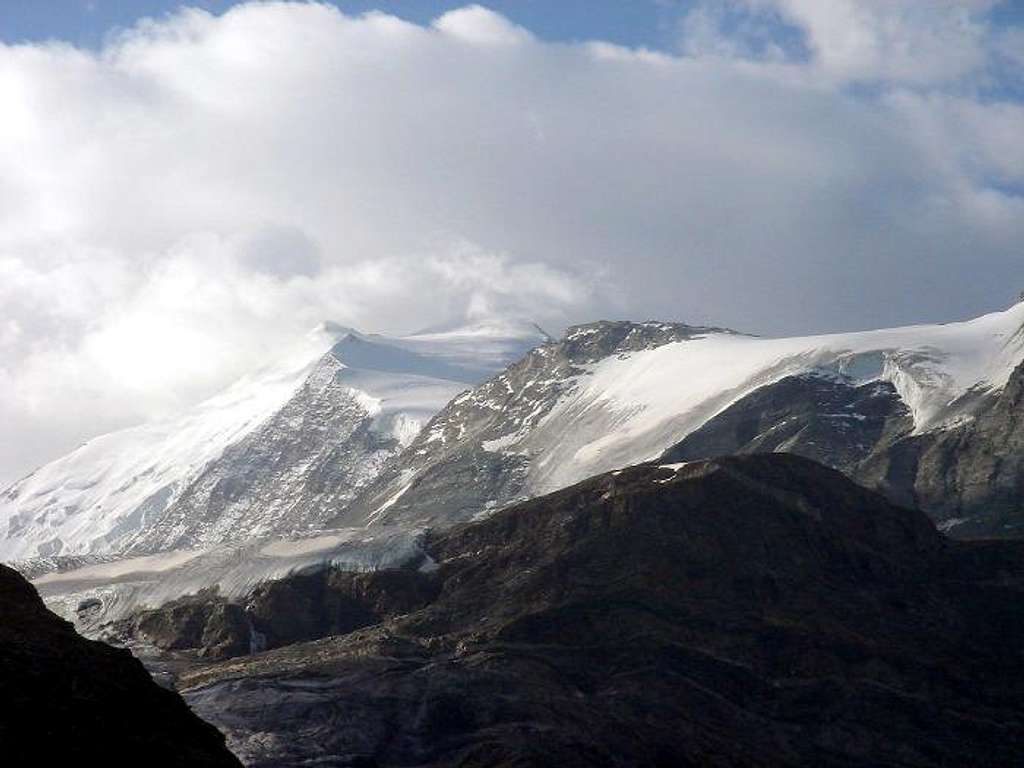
[(179, 205)]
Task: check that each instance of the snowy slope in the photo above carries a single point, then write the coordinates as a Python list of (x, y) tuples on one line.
[(327, 416), (650, 399), (121, 479), (613, 394)]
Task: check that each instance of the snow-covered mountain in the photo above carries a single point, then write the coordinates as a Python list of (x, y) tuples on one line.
[(274, 452), (331, 436), (322, 460), (610, 395)]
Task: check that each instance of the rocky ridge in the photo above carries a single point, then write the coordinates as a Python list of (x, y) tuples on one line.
[(758, 610)]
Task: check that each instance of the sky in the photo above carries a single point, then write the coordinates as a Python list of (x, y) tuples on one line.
[(187, 190), (650, 23)]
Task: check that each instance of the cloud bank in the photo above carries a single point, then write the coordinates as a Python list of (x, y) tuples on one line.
[(185, 201)]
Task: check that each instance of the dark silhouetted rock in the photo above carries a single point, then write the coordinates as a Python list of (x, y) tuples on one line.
[(302, 607), (65, 700), (207, 622)]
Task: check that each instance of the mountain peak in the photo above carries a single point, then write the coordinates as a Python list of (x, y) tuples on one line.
[(332, 330), (338, 405), (589, 342), (507, 327)]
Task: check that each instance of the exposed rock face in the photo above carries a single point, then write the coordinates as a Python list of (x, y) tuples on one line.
[(968, 477), (65, 700), (333, 602), (217, 628), (833, 421), (301, 607), (310, 456), (759, 610)]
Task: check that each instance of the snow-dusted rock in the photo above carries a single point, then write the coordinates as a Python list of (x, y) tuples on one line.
[(613, 394)]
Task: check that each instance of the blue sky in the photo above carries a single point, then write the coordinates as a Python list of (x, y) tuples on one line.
[(651, 23)]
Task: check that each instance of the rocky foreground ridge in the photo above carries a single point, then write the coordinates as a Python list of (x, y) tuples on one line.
[(758, 610), (65, 700)]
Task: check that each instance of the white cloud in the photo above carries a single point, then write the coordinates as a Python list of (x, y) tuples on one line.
[(476, 24), (912, 42), (180, 205), (916, 41)]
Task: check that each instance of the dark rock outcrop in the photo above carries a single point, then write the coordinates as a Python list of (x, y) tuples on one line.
[(205, 622), (758, 610), (302, 607), (331, 602), (65, 700), (835, 422), (969, 477)]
